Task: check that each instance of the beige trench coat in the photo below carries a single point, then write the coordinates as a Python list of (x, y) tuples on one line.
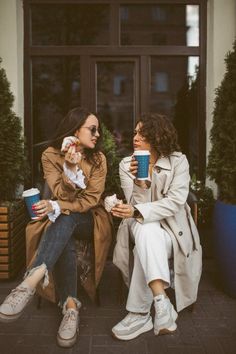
[(165, 201), (70, 200)]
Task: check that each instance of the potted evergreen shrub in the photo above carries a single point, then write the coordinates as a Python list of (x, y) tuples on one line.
[(13, 169), (222, 169)]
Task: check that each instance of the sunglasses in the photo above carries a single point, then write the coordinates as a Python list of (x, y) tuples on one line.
[(93, 129)]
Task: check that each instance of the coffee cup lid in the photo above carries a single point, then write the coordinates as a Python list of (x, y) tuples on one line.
[(141, 152), (29, 192)]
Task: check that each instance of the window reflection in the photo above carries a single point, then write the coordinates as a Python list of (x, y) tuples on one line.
[(71, 24), (159, 25), (115, 101), (175, 93), (192, 19), (56, 88)]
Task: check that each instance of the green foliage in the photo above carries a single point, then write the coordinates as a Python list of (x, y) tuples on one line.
[(13, 165), (109, 149), (222, 158), (205, 200)]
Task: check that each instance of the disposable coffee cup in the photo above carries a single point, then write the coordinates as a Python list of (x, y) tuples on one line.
[(142, 156), (31, 196)]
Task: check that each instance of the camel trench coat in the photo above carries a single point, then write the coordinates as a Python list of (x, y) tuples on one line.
[(165, 201), (73, 199)]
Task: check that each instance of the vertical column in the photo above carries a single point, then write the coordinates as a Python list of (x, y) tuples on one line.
[(221, 33), (11, 48)]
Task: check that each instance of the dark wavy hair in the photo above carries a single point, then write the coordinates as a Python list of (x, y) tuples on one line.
[(159, 131), (73, 121)]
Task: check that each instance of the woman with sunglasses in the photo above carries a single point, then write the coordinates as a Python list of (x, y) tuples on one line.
[(75, 172), (159, 221)]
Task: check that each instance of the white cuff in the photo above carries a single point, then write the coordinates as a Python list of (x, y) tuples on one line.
[(56, 211), (77, 178)]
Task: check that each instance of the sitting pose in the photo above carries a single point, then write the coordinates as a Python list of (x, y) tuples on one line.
[(158, 221), (75, 172)]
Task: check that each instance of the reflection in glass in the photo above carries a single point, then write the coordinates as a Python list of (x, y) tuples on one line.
[(115, 101), (70, 24), (192, 19), (175, 93), (159, 24), (55, 89)]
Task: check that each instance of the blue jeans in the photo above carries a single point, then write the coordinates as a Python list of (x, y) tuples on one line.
[(57, 250)]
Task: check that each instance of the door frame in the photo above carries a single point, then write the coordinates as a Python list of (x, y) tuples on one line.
[(93, 83)]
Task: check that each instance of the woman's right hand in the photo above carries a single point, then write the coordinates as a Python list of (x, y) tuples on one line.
[(72, 158), (133, 168)]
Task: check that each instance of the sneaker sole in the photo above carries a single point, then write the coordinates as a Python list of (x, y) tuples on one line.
[(146, 328), (170, 329), (11, 318), (66, 343)]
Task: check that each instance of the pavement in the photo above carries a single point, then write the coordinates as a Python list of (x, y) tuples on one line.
[(210, 328)]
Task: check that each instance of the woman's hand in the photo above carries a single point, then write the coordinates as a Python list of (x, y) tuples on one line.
[(42, 208), (72, 158), (133, 168), (123, 211)]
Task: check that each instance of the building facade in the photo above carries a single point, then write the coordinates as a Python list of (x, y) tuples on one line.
[(118, 58)]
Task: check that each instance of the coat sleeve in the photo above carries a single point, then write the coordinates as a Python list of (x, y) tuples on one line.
[(174, 199), (70, 198)]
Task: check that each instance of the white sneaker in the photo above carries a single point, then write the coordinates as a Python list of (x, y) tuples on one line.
[(132, 326), (67, 333), (165, 316), (15, 303)]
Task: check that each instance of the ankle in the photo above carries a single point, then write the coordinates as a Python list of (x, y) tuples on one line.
[(71, 305), (157, 296), (35, 275)]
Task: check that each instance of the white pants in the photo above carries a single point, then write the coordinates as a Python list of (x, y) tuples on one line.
[(153, 248)]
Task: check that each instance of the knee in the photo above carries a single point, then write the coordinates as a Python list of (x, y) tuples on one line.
[(149, 236)]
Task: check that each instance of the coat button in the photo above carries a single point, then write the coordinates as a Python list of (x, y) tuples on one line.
[(158, 170), (180, 233), (188, 255)]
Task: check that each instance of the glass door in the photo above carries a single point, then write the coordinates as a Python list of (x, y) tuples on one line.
[(116, 99)]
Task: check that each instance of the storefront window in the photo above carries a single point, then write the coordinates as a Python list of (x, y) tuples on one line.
[(172, 24), (69, 24)]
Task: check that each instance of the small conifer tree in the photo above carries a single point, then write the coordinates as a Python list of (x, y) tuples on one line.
[(13, 166), (222, 158), (109, 148)]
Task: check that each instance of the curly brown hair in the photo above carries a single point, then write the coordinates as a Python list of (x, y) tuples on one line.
[(159, 131)]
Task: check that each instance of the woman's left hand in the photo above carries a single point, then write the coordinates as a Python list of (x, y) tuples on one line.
[(123, 211), (42, 208)]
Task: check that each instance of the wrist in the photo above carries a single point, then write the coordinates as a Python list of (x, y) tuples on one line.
[(136, 213), (71, 166), (140, 183)]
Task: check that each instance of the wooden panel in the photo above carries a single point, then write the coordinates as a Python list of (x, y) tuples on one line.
[(12, 238), (10, 229)]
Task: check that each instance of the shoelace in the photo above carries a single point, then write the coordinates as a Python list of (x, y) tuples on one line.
[(68, 320), (16, 296)]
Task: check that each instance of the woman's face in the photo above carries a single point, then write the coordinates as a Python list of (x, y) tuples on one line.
[(139, 142), (88, 133)]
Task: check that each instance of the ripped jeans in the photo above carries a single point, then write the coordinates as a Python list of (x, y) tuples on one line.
[(58, 252)]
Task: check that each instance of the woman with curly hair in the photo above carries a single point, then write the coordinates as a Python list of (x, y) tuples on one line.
[(167, 251)]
